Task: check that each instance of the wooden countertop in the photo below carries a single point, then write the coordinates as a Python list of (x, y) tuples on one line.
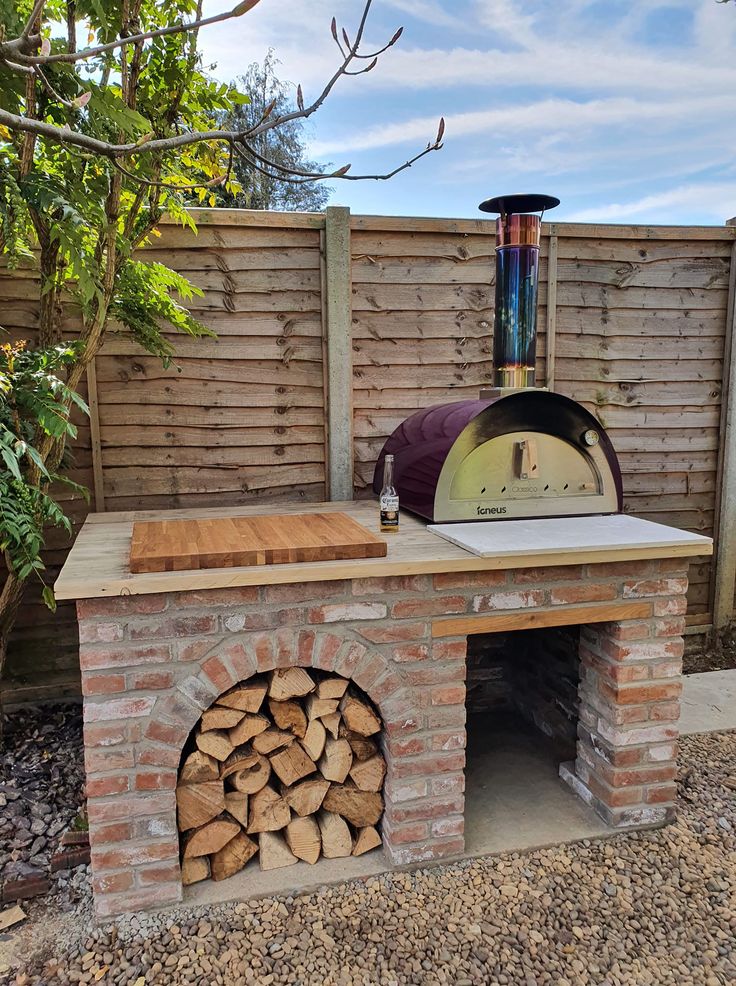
[(97, 565)]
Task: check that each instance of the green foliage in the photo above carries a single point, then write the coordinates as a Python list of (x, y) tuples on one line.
[(34, 400)]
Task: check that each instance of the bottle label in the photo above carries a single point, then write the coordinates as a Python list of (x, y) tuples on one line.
[(389, 511)]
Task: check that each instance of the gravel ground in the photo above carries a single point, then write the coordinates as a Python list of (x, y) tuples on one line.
[(41, 787), (647, 908)]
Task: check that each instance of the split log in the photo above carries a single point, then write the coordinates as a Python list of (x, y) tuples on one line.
[(332, 687), (367, 775), (363, 748), (332, 723), (236, 804), (233, 856), (247, 698), (198, 767), (306, 798), (217, 743), (286, 683), (274, 851), (198, 804), (358, 716), (367, 839), (246, 771), (271, 740), (314, 739), (268, 811), (220, 718), (336, 838), (289, 715), (292, 763), (336, 761), (360, 808), (319, 707), (194, 870), (248, 727), (303, 838), (210, 838)]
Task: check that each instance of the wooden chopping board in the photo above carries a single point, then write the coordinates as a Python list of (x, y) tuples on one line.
[(229, 542)]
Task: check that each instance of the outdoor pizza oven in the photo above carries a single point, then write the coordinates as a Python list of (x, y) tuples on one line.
[(519, 451)]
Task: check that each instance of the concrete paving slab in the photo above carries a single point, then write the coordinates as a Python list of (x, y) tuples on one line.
[(708, 702)]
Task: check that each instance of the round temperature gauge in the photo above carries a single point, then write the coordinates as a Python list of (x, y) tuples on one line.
[(591, 437)]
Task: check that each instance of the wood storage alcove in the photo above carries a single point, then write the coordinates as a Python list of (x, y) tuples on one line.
[(284, 766)]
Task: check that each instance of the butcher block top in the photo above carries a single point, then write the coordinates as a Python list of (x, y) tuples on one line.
[(232, 542), (98, 564)]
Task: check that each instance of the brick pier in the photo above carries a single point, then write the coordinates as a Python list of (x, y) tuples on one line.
[(152, 663)]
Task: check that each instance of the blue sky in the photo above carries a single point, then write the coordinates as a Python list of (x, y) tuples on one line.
[(624, 109)]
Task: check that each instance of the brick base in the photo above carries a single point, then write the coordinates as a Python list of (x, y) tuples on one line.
[(152, 664)]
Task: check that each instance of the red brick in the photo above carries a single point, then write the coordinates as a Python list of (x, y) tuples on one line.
[(184, 626), (241, 595), (347, 612), (619, 630), (410, 652), (665, 712), (112, 883), (104, 736), (415, 832), (636, 694), (408, 747), (449, 741), (193, 650), (446, 717), (115, 758), (666, 669), (119, 606), (158, 756), (102, 684), (111, 904), (614, 797), (304, 591), (406, 790), (218, 674), (391, 583), (672, 565), (673, 626), (447, 785), (368, 671), (450, 650), (430, 674), (305, 648), (582, 593), (603, 570), (389, 633), (155, 780), (662, 794), (242, 661), (100, 633), (351, 659), (448, 826), (101, 787), (639, 588), (469, 580), (436, 763), (642, 650), (117, 859), (95, 659), (551, 573), (432, 606), (448, 695), (676, 606), (119, 708), (510, 599), (116, 832), (387, 686), (426, 809), (328, 646), (151, 875), (130, 807), (643, 776), (150, 680), (264, 620), (164, 732)]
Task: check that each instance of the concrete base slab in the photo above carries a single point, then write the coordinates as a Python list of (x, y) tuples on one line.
[(515, 798), (708, 702)]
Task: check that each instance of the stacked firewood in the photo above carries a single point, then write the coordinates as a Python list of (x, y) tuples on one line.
[(285, 766)]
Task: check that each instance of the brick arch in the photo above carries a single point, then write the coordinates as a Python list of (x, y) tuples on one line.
[(174, 717)]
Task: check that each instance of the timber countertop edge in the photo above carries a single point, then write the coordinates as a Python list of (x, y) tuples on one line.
[(98, 564)]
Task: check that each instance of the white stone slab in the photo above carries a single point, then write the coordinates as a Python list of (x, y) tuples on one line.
[(550, 535)]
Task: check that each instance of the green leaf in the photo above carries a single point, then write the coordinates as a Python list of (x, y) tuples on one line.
[(49, 598)]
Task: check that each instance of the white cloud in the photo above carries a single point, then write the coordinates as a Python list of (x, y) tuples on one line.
[(718, 199)]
